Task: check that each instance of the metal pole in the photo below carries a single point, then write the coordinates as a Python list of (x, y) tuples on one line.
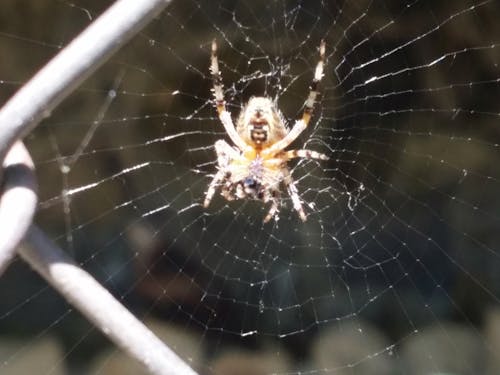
[(81, 290), (35, 101), (56, 80), (17, 202)]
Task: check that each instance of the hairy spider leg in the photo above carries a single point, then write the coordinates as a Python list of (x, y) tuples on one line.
[(224, 155), (220, 104), (274, 205), (305, 154), (218, 178), (301, 125), (294, 194)]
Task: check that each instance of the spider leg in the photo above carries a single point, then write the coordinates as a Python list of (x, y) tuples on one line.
[(218, 87), (225, 153), (313, 93), (220, 103), (240, 193), (294, 194), (301, 125), (218, 178), (274, 198), (227, 191), (305, 154)]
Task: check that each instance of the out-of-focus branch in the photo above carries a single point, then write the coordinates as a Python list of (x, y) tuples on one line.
[(17, 202), (56, 80), (99, 306)]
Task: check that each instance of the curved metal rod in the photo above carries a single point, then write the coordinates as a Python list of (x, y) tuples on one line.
[(35, 101), (56, 80), (17, 202), (90, 298)]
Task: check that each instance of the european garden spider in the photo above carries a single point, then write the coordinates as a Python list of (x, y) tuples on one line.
[(257, 166)]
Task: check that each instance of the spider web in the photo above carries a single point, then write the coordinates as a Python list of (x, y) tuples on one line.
[(396, 268)]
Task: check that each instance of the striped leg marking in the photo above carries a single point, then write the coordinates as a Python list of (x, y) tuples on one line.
[(301, 125), (305, 154), (220, 103)]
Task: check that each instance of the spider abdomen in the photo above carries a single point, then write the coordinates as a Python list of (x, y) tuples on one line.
[(253, 188), (252, 182), (256, 178)]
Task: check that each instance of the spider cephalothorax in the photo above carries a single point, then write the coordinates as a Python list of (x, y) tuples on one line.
[(257, 165)]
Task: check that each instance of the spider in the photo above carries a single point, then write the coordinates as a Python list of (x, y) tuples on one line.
[(256, 165)]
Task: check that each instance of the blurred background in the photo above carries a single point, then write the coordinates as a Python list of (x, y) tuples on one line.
[(396, 270)]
